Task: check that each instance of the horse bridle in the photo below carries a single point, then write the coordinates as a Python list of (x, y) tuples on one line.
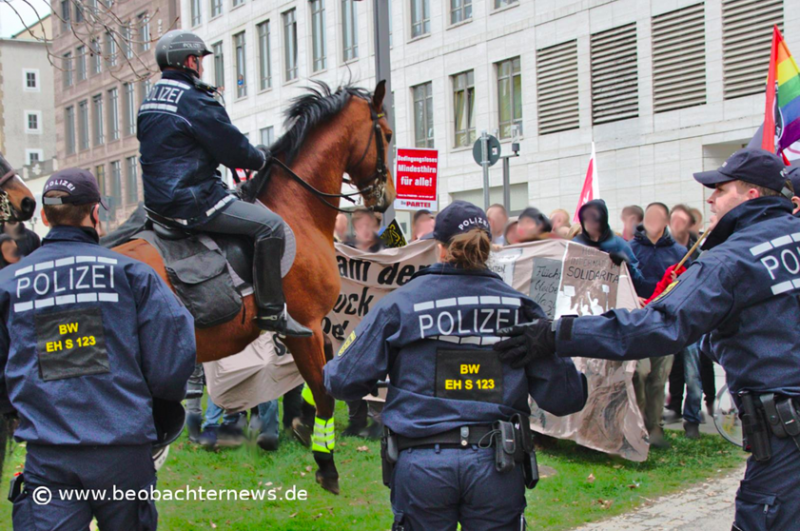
[(377, 181), (5, 203)]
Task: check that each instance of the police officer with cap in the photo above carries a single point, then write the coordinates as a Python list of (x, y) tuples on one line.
[(91, 343), (742, 296), (184, 135), (456, 413)]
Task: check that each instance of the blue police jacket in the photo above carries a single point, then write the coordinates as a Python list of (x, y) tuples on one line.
[(88, 338), (184, 135), (743, 292), (432, 337), (654, 259)]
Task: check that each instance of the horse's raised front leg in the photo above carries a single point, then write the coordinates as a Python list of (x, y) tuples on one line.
[(310, 359)]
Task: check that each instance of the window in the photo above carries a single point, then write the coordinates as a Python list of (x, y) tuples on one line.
[(264, 57), (464, 108), (219, 65), (237, 3), (557, 84), (100, 175), (460, 10), (509, 97), (266, 136), (111, 49), (30, 80), (195, 13), (116, 182), (420, 17), (144, 91), (66, 73), (216, 8), (78, 12), (33, 122), (318, 34), (132, 181), (113, 114), (144, 32), (423, 115), (241, 65), (503, 3), (97, 57), (80, 58), (97, 116), (66, 10), (92, 6), (83, 125), (349, 30), (69, 129), (615, 75), (290, 44), (32, 156), (130, 109), (127, 40)]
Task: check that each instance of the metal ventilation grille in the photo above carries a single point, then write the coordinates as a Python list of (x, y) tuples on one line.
[(615, 75), (746, 44), (679, 59), (557, 80)]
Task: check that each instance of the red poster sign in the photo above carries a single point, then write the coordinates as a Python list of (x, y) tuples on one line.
[(416, 179)]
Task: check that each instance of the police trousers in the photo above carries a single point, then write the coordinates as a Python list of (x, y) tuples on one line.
[(769, 495), (436, 490), (56, 476), (246, 219)]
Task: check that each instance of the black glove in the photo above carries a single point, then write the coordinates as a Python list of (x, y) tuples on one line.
[(618, 257), (267, 155), (527, 343)]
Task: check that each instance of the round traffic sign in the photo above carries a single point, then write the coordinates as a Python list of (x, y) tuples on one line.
[(493, 150)]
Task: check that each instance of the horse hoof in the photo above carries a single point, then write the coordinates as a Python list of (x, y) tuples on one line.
[(331, 484), (301, 432)]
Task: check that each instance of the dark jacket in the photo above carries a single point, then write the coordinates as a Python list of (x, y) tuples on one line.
[(608, 242), (88, 338), (184, 135), (742, 292), (654, 259), (423, 335)]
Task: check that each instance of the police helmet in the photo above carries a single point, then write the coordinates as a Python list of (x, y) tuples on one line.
[(169, 418), (175, 46)]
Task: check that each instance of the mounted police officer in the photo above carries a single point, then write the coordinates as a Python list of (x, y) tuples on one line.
[(82, 350), (184, 135), (742, 296), (457, 415)]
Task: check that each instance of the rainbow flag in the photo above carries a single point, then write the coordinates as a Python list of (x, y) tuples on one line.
[(782, 113)]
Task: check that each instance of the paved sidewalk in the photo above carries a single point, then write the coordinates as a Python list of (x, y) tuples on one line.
[(706, 507)]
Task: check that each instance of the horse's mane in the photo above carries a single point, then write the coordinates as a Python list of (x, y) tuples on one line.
[(310, 110)]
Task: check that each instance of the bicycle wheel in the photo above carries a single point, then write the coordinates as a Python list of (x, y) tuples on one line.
[(726, 418)]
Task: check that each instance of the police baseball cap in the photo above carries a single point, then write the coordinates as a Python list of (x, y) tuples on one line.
[(79, 185), (457, 218), (793, 173), (754, 166)]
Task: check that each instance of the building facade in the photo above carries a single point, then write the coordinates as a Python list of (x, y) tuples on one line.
[(27, 130), (104, 73), (664, 89)]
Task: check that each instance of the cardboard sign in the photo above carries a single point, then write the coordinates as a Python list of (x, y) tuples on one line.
[(416, 179)]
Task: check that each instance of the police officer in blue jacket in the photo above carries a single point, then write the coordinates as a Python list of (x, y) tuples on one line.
[(448, 389), (744, 293), (89, 341), (184, 135)]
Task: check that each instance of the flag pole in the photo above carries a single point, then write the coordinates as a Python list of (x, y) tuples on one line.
[(768, 138)]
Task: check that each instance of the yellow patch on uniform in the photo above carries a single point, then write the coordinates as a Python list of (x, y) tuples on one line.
[(666, 290), (347, 343)]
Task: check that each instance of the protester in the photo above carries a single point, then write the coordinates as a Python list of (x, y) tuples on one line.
[(9, 253), (631, 217), (533, 226), (510, 234), (498, 219), (697, 228), (340, 228), (560, 221), (27, 240), (365, 228), (91, 408), (597, 233), (422, 223)]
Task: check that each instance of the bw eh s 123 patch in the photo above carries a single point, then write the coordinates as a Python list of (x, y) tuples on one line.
[(71, 344), (469, 375)]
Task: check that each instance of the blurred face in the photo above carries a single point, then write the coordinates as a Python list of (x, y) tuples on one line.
[(9, 250), (728, 196), (630, 221), (340, 228), (558, 220), (365, 228), (511, 234), (528, 229), (591, 223), (679, 222), (655, 220), (424, 226), (497, 220)]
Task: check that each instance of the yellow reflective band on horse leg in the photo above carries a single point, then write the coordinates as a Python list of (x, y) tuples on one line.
[(323, 439), (308, 396)]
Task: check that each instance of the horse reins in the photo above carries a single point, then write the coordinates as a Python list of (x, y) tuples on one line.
[(380, 174), (5, 204)]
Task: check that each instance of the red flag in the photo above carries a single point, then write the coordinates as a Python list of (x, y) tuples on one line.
[(591, 186), (768, 139)]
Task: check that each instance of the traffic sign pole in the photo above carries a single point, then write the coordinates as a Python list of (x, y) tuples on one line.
[(485, 164)]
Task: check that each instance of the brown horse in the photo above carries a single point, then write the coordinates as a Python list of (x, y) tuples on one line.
[(16, 201), (329, 134)]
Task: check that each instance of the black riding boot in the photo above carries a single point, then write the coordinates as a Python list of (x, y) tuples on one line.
[(268, 286)]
